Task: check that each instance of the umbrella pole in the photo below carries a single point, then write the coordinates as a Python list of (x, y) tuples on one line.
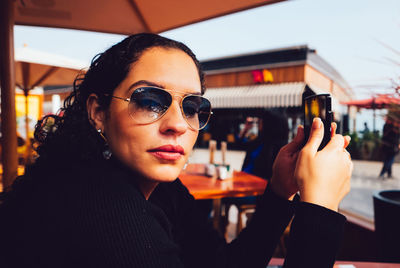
[(7, 76), (374, 122), (28, 140)]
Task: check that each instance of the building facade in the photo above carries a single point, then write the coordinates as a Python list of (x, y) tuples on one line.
[(245, 86)]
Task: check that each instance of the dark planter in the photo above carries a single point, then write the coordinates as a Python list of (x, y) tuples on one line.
[(387, 224)]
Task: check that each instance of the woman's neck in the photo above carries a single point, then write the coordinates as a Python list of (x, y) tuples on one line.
[(146, 187)]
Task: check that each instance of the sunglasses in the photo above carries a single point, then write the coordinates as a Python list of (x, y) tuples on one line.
[(148, 104)]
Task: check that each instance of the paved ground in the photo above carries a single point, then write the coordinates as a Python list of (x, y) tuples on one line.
[(364, 181)]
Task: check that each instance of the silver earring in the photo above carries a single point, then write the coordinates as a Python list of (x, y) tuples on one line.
[(107, 152), (185, 166)]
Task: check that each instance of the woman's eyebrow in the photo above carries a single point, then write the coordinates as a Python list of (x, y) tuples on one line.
[(196, 93), (152, 84), (145, 83)]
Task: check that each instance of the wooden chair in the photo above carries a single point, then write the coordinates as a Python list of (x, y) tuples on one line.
[(248, 210)]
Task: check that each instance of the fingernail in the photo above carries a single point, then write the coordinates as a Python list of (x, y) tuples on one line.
[(317, 123)]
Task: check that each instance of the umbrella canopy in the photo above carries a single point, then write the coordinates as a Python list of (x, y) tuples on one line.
[(379, 101), (125, 16), (36, 68)]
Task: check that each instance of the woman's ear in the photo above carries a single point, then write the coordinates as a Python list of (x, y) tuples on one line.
[(96, 115)]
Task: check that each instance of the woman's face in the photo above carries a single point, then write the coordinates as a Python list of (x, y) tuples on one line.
[(158, 150)]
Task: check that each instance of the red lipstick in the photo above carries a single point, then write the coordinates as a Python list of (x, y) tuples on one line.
[(168, 152)]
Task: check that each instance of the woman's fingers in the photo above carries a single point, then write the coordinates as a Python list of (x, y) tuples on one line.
[(282, 181), (337, 142), (347, 154), (316, 135), (347, 140), (296, 144), (323, 177), (333, 129), (333, 133)]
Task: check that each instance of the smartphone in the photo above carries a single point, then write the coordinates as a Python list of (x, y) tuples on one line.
[(318, 106)]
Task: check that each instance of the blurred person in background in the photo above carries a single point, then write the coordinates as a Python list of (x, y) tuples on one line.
[(389, 146), (261, 152)]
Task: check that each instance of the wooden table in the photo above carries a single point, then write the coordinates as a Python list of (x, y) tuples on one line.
[(203, 187), (339, 264)]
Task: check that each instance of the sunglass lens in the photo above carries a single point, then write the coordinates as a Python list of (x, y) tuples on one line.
[(197, 111), (147, 104)]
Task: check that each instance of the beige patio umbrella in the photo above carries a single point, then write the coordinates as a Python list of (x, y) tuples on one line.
[(37, 68), (116, 16), (125, 16)]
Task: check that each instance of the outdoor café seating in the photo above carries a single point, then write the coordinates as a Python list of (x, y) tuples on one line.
[(387, 224)]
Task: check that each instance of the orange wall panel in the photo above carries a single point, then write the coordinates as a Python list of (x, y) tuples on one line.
[(316, 79), (280, 75)]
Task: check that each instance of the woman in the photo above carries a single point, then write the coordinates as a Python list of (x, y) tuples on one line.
[(104, 193)]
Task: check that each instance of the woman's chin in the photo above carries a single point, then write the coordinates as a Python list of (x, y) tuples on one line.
[(164, 173)]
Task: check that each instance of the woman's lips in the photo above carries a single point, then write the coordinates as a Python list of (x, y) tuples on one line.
[(168, 152)]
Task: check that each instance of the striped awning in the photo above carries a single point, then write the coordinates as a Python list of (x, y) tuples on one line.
[(257, 96)]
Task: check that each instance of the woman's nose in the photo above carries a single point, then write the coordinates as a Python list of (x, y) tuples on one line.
[(173, 121)]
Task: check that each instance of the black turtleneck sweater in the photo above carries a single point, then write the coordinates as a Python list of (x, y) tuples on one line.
[(93, 215)]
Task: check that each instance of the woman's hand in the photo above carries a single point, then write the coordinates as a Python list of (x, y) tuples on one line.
[(282, 181), (323, 177)]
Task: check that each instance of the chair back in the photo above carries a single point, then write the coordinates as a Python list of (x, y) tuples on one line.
[(387, 224)]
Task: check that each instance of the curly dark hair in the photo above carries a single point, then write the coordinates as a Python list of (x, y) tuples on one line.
[(69, 135)]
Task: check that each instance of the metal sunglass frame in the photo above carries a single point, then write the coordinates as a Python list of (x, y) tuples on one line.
[(172, 95)]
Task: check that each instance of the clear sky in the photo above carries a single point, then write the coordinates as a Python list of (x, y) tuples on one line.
[(355, 36)]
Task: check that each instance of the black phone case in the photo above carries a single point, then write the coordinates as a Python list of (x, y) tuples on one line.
[(326, 121)]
